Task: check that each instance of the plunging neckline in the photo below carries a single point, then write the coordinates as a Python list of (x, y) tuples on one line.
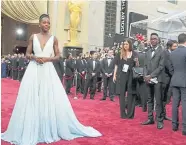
[(42, 49)]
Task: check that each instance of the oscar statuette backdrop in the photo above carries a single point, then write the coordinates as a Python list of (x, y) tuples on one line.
[(74, 13)]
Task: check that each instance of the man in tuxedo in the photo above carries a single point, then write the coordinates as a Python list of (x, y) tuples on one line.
[(21, 67), (178, 83), (59, 66), (93, 68), (141, 85), (69, 72), (153, 70), (8, 60), (107, 69), (166, 89), (15, 67), (81, 69), (99, 75)]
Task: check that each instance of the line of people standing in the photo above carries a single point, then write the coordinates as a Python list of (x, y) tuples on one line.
[(14, 66)]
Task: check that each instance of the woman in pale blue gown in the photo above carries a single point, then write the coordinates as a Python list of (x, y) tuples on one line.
[(42, 112)]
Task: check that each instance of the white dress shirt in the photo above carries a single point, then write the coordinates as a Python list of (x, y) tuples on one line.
[(94, 64), (154, 51), (109, 61)]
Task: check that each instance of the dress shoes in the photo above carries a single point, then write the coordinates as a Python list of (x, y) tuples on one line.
[(183, 132), (103, 99), (111, 99), (148, 122), (167, 118), (160, 125), (175, 128), (124, 117), (92, 97), (144, 109)]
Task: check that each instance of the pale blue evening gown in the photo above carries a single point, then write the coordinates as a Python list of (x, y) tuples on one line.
[(42, 111)]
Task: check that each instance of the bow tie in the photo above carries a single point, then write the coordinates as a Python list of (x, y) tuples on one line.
[(152, 49)]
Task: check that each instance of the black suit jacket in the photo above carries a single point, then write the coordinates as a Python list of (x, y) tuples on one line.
[(81, 65), (105, 68), (90, 68), (154, 66), (178, 59), (21, 62), (141, 58), (70, 67), (167, 73), (15, 63), (59, 66)]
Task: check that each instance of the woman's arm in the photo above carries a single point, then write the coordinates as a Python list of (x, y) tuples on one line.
[(115, 72), (30, 48)]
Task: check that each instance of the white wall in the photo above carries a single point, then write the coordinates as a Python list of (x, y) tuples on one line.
[(96, 20)]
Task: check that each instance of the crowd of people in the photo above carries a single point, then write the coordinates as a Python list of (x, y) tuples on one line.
[(147, 74), (150, 74), (13, 66), (110, 68)]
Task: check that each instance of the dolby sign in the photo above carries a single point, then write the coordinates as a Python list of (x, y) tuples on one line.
[(123, 18)]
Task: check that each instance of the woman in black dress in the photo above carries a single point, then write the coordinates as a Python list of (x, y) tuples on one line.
[(125, 61)]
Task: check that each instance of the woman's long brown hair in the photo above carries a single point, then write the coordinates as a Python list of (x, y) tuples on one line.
[(123, 54)]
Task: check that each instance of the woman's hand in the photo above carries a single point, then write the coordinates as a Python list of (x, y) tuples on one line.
[(38, 60), (42, 60), (114, 78), (136, 62), (45, 59)]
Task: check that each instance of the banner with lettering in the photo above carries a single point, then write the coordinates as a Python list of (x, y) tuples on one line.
[(123, 18)]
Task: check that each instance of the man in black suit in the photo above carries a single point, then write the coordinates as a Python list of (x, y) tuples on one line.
[(93, 68), (15, 67), (153, 70), (167, 91), (107, 69), (81, 69), (141, 85), (178, 83), (59, 66), (69, 72), (21, 67)]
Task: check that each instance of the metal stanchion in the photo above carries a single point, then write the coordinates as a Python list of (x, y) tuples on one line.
[(18, 71), (12, 72), (75, 97)]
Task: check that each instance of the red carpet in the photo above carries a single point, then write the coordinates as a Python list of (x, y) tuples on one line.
[(104, 116)]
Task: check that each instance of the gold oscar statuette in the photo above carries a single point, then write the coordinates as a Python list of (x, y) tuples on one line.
[(75, 9)]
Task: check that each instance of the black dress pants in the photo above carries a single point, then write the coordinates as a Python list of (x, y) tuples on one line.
[(126, 86), (90, 82), (155, 90), (142, 88)]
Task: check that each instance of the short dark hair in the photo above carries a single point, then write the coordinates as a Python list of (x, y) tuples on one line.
[(170, 43), (80, 54), (154, 34), (182, 38), (92, 52), (43, 16), (68, 55)]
